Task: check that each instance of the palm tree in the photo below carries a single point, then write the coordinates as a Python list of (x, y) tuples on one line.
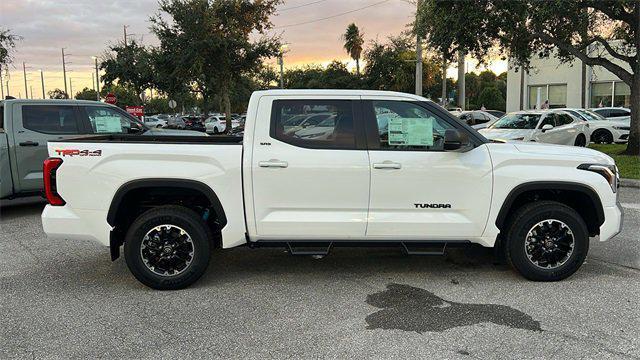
[(353, 42)]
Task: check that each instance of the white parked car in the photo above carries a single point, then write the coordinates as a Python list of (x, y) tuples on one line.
[(603, 131), (550, 126), (154, 121), (613, 113), (218, 124), (477, 119)]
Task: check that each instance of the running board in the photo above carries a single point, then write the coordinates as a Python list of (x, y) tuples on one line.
[(421, 251), (309, 249)]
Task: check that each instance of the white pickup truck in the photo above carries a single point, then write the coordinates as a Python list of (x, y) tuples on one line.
[(380, 168)]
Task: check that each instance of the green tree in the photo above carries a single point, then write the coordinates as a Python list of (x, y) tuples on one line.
[(491, 98), (389, 65), (353, 44), (593, 31), (57, 94), (213, 44), (130, 65), (7, 43), (87, 94)]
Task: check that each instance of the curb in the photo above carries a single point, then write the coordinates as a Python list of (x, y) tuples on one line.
[(631, 183)]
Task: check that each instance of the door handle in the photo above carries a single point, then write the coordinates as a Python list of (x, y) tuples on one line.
[(387, 165), (273, 164), (28, 143)]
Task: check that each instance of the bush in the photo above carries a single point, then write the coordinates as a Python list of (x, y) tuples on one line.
[(492, 99)]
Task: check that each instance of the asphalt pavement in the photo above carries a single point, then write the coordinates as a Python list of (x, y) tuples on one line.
[(68, 300)]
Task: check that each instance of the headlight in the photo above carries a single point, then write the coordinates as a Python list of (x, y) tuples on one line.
[(622, 128), (609, 172)]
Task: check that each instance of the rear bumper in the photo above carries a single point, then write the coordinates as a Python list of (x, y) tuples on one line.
[(64, 223), (612, 226)]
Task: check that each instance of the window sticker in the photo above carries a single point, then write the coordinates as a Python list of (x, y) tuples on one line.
[(411, 131), (108, 124)]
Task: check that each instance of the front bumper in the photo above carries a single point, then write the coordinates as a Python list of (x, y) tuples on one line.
[(613, 219)]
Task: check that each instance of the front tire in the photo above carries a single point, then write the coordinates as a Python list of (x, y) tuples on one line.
[(546, 241), (602, 136), (168, 247)]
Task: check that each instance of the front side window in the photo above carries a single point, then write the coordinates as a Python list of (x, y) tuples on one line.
[(324, 124), (50, 119), (105, 120), (410, 127), (517, 121)]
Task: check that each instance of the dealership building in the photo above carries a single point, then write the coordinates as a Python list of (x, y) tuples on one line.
[(570, 84)]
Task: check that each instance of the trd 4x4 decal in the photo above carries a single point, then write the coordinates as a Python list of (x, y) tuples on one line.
[(76, 152)]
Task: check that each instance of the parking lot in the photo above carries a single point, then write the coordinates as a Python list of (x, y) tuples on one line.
[(67, 300)]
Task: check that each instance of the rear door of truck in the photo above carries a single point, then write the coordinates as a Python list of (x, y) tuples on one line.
[(33, 125), (310, 181), (6, 184)]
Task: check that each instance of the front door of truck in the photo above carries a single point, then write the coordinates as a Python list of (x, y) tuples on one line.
[(310, 180), (418, 190)]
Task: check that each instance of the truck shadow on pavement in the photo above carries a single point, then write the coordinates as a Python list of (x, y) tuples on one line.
[(410, 308)]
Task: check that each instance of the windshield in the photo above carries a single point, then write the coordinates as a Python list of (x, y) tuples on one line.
[(517, 121), (590, 115)]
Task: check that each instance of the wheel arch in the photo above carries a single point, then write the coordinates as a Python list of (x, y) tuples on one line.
[(516, 195), (131, 187)]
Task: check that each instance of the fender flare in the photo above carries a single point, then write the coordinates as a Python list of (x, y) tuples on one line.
[(172, 183), (549, 185)]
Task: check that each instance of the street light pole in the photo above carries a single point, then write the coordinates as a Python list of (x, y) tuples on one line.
[(42, 81), (461, 80), (281, 63), (444, 80), (1, 87)]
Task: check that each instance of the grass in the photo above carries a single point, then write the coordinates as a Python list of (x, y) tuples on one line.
[(628, 165)]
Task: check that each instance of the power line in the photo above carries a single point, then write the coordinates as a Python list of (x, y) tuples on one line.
[(332, 16), (300, 6)]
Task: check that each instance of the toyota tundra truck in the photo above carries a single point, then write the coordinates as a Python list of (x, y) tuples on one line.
[(322, 168)]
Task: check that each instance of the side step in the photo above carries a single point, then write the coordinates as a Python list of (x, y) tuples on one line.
[(422, 250), (321, 249)]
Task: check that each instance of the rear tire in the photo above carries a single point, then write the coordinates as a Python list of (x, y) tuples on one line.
[(546, 241), (581, 140), (168, 247)]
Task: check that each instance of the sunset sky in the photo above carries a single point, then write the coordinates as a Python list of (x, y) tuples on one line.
[(86, 27)]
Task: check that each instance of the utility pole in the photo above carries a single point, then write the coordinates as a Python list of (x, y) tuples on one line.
[(124, 27), (42, 81), (70, 96), (95, 58), (24, 73), (418, 55), (1, 87), (283, 48), (461, 80), (31, 90), (64, 73), (444, 80)]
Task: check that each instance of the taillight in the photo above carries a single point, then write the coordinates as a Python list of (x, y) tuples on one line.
[(50, 167)]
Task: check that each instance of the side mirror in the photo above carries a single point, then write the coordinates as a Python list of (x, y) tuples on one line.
[(454, 139), (546, 127)]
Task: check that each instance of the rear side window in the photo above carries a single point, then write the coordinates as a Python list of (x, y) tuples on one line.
[(318, 124), (50, 119), (563, 119), (618, 112)]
